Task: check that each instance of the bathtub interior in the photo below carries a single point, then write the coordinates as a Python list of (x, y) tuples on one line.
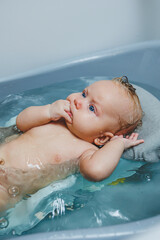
[(139, 62)]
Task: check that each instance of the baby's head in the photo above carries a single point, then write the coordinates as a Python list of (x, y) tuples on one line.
[(132, 116), (104, 109)]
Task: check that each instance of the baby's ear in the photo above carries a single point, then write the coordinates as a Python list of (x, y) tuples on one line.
[(103, 139)]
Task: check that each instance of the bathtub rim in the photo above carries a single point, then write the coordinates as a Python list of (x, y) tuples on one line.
[(96, 55), (120, 231), (8, 84)]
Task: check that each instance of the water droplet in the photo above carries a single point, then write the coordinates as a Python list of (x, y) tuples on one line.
[(13, 191), (148, 177), (13, 232), (15, 128), (58, 207), (50, 216), (3, 223)]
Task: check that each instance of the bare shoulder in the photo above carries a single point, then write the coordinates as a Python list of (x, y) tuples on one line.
[(87, 148), (88, 145)]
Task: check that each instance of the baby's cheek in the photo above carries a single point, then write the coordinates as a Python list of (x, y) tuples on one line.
[(80, 121)]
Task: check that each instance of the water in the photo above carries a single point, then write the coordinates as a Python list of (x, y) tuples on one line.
[(13, 104), (126, 196)]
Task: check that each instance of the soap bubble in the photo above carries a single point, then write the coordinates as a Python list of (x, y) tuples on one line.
[(13, 191), (3, 223)]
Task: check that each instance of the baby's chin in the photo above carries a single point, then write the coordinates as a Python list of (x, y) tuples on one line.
[(69, 125), (71, 128), (78, 134)]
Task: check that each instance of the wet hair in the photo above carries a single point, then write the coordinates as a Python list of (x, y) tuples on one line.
[(136, 114)]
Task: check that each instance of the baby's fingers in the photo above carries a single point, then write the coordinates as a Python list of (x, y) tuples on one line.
[(133, 136), (68, 116), (66, 105), (121, 136), (139, 141)]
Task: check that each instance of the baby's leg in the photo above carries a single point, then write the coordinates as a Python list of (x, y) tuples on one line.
[(7, 200), (11, 190), (4, 198)]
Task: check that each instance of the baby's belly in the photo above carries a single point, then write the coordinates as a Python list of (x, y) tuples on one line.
[(20, 155), (26, 152), (29, 166)]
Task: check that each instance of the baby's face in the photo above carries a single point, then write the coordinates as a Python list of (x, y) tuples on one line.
[(95, 110)]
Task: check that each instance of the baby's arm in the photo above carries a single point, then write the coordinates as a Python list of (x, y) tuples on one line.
[(96, 165), (39, 115)]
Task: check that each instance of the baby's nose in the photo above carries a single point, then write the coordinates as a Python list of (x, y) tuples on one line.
[(77, 103)]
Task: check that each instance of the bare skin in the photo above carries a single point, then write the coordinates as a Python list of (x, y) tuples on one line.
[(60, 135)]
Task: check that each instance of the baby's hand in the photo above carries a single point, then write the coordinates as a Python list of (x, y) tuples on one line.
[(129, 141), (60, 109)]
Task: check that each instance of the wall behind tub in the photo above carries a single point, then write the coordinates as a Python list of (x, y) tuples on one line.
[(41, 32)]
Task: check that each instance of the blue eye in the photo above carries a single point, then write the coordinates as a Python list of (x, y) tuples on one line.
[(91, 108), (83, 94)]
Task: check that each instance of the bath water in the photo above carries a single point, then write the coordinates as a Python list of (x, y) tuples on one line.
[(131, 193)]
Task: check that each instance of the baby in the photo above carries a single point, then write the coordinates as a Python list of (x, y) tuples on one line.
[(61, 138)]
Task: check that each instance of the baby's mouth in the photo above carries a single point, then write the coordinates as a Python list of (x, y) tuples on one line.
[(69, 113)]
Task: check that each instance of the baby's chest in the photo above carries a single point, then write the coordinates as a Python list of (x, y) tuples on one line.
[(59, 145), (61, 149)]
